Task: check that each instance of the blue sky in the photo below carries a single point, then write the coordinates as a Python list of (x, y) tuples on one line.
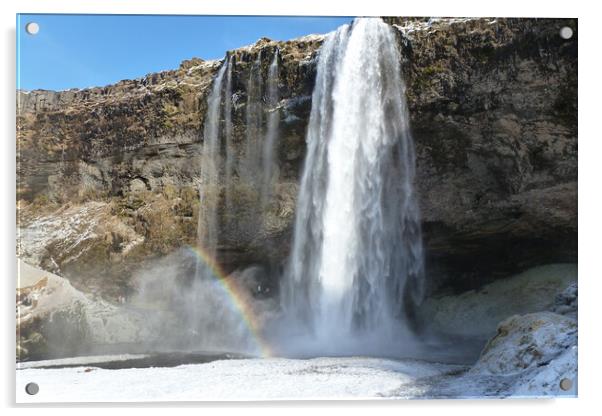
[(79, 51)]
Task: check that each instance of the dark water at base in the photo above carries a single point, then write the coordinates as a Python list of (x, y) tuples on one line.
[(433, 348), (445, 350), (162, 359), (451, 352)]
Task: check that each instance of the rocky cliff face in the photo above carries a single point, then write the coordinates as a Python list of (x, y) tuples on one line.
[(494, 115), (493, 105)]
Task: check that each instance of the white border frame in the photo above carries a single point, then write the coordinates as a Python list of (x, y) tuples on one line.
[(589, 196)]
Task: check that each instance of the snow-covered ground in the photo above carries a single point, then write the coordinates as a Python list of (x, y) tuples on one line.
[(247, 379), (281, 379)]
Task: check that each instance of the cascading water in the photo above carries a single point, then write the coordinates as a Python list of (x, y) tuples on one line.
[(214, 322), (254, 120), (210, 161), (357, 248), (230, 152), (272, 130), (208, 201)]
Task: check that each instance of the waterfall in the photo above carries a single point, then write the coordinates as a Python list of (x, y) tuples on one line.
[(208, 203), (230, 152), (212, 316), (210, 163), (272, 130), (357, 249), (254, 119)]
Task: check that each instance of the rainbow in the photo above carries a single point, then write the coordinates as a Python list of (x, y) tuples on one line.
[(237, 297)]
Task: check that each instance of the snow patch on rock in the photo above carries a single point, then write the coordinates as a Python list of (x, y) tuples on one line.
[(536, 352), (433, 24), (68, 233), (527, 342)]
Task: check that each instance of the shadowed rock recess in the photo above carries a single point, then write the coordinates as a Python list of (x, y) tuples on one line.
[(108, 176)]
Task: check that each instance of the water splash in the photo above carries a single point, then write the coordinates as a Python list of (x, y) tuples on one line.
[(357, 249)]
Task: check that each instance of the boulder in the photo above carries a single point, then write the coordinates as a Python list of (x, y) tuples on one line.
[(566, 302), (526, 342), (536, 352), (532, 355), (55, 319)]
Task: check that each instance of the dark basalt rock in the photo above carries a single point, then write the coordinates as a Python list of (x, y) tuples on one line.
[(494, 108), (493, 105)]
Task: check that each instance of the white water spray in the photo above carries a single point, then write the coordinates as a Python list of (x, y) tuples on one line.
[(357, 247)]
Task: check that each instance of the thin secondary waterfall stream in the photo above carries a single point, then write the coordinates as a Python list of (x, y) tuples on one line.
[(230, 159), (268, 161), (210, 166), (254, 120), (212, 291), (357, 250)]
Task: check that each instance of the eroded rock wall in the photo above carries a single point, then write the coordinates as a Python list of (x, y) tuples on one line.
[(494, 115)]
